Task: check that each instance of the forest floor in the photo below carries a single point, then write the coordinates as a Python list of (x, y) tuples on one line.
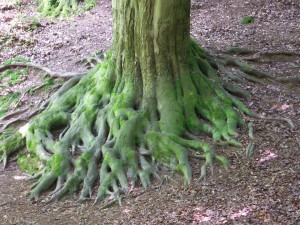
[(262, 189)]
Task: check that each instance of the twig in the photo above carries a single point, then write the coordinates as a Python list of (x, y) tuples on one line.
[(98, 60), (11, 122), (287, 120), (25, 92), (298, 141), (6, 203), (22, 118), (13, 114), (40, 67)]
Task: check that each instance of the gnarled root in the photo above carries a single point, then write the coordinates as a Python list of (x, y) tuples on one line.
[(63, 7), (40, 67), (109, 130), (249, 73)]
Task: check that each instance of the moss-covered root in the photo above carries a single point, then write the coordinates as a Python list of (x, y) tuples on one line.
[(63, 7), (111, 126), (9, 146)]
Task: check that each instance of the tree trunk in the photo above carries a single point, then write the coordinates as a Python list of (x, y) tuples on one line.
[(142, 107), (150, 49)]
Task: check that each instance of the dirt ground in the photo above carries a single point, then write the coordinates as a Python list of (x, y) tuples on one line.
[(263, 189)]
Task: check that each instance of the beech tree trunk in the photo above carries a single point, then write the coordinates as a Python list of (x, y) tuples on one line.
[(151, 42)]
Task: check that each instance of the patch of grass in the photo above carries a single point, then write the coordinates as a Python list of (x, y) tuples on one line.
[(26, 23), (6, 133), (7, 39), (29, 163), (49, 82), (12, 76), (12, 39), (247, 20), (10, 61), (6, 101), (31, 90)]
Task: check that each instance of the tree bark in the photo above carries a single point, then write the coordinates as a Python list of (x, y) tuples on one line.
[(150, 49)]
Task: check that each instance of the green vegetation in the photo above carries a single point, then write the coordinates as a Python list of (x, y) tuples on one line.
[(49, 82), (29, 163), (8, 78), (6, 101), (247, 20), (11, 39), (26, 23), (7, 39), (17, 59), (62, 8), (11, 77), (6, 133)]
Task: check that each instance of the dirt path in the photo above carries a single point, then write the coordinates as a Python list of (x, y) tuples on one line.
[(264, 189)]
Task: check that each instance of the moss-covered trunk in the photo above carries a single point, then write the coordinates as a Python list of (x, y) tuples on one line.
[(150, 49)]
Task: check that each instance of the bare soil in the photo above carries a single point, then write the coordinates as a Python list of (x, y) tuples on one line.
[(263, 189)]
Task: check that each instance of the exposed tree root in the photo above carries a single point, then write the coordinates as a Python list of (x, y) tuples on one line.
[(271, 54), (251, 146), (114, 128), (250, 73), (239, 51), (291, 79), (9, 115), (40, 67), (63, 8), (282, 119), (255, 75), (23, 113)]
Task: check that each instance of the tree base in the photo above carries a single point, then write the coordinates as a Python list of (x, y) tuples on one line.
[(105, 125)]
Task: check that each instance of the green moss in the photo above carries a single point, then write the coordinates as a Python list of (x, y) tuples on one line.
[(223, 161), (56, 163), (10, 61), (28, 163), (89, 4), (63, 8), (26, 23), (31, 145), (6, 101), (13, 76), (163, 154), (8, 132), (84, 160), (11, 144), (49, 82), (247, 20)]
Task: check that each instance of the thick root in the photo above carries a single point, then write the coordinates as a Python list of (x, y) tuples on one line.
[(10, 146), (105, 127)]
